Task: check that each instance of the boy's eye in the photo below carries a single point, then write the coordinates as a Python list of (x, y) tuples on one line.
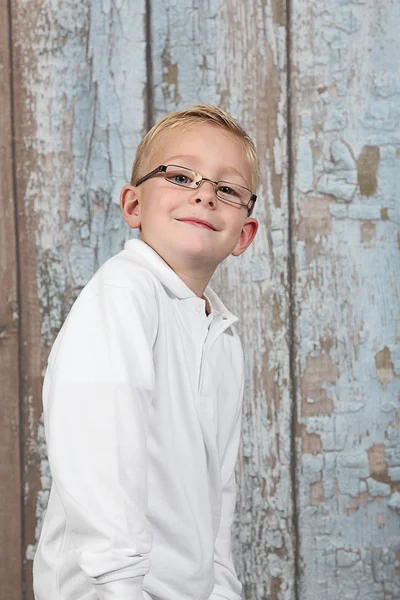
[(183, 179), (180, 176), (229, 191)]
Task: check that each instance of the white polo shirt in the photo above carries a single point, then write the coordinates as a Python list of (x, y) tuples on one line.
[(142, 406)]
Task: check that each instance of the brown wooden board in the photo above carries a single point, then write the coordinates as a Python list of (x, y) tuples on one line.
[(80, 99), (346, 138), (10, 473), (233, 54)]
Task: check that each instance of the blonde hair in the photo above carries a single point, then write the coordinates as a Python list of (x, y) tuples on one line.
[(194, 115)]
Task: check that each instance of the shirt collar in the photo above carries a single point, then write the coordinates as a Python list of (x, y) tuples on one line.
[(157, 265)]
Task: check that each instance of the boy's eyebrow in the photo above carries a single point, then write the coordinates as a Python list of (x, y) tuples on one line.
[(190, 157), (184, 156)]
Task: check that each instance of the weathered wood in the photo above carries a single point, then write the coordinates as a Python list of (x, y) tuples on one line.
[(10, 474), (81, 90), (80, 74), (346, 122), (234, 55)]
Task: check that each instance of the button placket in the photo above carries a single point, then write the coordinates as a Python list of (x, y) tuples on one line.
[(200, 306)]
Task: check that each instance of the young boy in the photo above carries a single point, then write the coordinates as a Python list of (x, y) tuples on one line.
[(143, 391)]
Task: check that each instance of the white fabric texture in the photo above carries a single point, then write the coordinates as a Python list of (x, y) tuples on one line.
[(142, 407)]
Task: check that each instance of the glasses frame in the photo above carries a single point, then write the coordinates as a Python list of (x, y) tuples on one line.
[(163, 169)]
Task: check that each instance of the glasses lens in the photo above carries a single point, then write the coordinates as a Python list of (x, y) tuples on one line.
[(181, 176), (233, 193)]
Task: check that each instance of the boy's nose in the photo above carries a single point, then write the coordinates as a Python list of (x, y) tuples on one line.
[(206, 193)]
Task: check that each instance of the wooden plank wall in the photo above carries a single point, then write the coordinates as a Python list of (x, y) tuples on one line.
[(317, 85), (10, 476), (346, 140), (245, 73)]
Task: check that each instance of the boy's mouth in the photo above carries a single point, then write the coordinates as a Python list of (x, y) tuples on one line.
[(198, 223)]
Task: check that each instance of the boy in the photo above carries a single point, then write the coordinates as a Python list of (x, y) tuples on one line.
[(142, 395)]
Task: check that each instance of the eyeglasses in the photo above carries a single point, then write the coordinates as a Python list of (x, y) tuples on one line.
[(228, 192)]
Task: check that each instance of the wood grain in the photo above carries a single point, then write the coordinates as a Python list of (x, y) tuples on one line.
[(346, 124), (233, 54), (10, 473)]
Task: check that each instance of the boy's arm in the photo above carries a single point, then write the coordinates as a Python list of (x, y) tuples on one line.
[(97, 396), (226, 583)]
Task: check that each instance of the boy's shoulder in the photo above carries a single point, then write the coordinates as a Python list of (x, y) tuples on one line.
[(124, 270)]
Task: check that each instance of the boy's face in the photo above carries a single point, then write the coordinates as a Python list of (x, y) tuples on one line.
[(163, 210)]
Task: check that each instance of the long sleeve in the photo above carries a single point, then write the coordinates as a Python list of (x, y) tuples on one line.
[(226, 583), (97, 395)]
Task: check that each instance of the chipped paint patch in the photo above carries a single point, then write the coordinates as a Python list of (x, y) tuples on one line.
[(384, 366), (367, 232), (361, 500), (367, 168), (310, 442), (315, 218), (320, 370), (384, 214), (315, 224), (316, 493), (377, 462)]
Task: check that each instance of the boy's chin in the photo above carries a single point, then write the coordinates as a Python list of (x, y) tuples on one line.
[(190, 254)]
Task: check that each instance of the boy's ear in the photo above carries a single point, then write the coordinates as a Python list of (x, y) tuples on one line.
[(247, 234), (130, 206)]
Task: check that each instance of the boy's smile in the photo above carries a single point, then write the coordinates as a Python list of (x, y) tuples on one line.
[(193, 230), (198, 223)]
